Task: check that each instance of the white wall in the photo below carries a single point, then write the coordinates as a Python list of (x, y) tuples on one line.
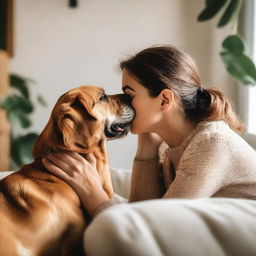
[(60, 47)]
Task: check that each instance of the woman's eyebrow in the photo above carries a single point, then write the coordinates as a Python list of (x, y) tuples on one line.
[(127, 87)]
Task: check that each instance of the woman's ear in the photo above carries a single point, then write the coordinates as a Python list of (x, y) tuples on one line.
[(167, 98)]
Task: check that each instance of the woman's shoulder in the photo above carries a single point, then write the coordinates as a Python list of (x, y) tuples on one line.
[(205, 133), (212, 130), (213, 127), (208, 136), (218, 134)]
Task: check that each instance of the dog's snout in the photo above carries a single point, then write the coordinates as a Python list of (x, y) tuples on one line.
[(126, 99), (123, 99)]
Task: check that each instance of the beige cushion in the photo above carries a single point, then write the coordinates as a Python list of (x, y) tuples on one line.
[(121, 180), (212, 227)]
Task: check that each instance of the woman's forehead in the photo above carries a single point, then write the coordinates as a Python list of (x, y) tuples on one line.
[(129, 81)]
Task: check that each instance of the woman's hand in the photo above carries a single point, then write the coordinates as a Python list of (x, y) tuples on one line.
[(81, 174), (148, 145)]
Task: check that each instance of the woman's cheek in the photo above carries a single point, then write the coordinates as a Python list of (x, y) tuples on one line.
[(136, 124), (133, 126)]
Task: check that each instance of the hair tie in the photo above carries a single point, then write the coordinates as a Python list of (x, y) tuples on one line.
[(200, 89), (203, 97)]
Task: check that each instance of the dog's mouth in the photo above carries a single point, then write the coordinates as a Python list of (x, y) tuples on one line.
[(120, 126), (117, 130)]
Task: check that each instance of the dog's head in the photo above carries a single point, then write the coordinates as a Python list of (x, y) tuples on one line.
[(82, 118)]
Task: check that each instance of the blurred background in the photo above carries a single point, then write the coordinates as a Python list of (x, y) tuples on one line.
[(55, 45)]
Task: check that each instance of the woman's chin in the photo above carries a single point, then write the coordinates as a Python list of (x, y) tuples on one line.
[(133, 130)]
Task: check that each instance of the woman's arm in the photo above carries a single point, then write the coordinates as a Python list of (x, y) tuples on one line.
[(146, 180), (82, 176), (148, 145)]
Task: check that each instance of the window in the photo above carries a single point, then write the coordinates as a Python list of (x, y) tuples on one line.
[(247, 94)]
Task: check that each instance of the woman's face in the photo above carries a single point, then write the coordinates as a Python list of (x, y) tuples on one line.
[(147, 108)]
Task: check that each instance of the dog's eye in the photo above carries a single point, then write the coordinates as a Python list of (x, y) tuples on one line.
[(103, 97)]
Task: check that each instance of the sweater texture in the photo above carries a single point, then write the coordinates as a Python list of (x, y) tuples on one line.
[(212, 161)]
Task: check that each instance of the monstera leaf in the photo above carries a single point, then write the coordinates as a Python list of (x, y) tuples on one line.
[(238, 64)]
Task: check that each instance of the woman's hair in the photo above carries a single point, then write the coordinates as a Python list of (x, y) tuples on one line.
[(158, 68)]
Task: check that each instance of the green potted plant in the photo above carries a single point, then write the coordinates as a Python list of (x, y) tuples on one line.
[(19, 106), (237, 62)]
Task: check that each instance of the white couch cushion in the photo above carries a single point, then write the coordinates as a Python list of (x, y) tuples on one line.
[(121, 180), (215, 226), (4, 174)]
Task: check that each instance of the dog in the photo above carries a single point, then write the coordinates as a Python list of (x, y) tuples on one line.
[(40, 214)]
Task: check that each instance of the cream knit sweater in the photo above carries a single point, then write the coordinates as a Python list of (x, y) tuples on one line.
[(213, 161)]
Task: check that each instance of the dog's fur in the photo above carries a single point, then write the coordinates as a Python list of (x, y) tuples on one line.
[(40, 214)]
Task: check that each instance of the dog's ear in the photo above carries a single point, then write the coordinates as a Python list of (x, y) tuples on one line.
[(70, 127), (76, 123), (84, 104), (47, 140)]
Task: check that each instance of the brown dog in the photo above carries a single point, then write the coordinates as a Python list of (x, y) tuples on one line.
[(40, 214)]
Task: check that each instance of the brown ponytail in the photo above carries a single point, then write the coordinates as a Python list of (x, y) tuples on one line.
[(158, 68), (221, 109)]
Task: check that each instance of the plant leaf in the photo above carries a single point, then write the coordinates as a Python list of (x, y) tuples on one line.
[(240, 66), (41, 100), (19, 83), (207, 2), (19, 117), (234, 44), (211, 9), (231, 11), (15, 151), (21, 148), (248, 65), (17, 103), (23, 120)]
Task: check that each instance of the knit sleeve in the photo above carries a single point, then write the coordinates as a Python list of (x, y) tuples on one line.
[(202, 167), (146, 180)]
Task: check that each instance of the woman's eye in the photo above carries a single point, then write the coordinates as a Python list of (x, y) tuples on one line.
[(131, 96), (103, 97)]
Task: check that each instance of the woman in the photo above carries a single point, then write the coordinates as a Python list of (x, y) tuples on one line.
[(203, 154)]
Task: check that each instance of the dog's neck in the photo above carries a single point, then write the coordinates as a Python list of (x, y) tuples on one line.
[(102, 165), (46, 146)]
